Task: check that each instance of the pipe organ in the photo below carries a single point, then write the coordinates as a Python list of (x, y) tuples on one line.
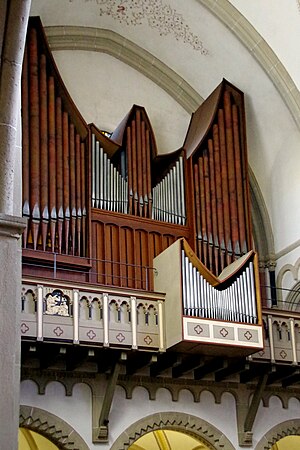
[(103, 210), (232, 298), (208, 311)]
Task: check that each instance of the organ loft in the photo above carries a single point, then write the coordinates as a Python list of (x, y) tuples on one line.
[(129, 254)]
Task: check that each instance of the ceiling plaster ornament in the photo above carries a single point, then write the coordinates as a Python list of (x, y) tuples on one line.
[(158, 15)]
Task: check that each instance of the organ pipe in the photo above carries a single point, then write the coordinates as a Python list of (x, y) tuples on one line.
[(59, 173), (53, 181), (219, 187), (232, 296), (34, 132)]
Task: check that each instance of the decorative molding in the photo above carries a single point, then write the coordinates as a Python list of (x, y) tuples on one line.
[(200, 429), (288, 249), (112, 43), (262, 229), (260, 50), (294, 270), (158, 15), (12, 226), (288, 428), (52, 427), (241, 392)]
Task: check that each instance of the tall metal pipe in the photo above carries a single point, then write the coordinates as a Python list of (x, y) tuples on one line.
[(66, 175), (34, 136), (52, 161), (44, 176), (59, 173)]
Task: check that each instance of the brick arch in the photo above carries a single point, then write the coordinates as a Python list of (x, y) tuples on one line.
[(288, 428), (213, 438), (52, 427)]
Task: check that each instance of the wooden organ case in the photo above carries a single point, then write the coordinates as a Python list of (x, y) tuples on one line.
[(102, 209)]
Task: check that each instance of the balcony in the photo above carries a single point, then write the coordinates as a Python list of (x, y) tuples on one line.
[(56, 311)]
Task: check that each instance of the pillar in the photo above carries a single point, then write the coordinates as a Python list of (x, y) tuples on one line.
[(13, 25)]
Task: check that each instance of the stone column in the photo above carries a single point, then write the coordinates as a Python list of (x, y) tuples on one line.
[(13, 26), (10, 300), (12, 50)]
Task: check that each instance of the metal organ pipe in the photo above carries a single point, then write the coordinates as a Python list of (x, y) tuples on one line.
[(168, 204), (59, 173), (236, 302), (44, 149), (34, 131), (109, 188), (53, 181), (219, 175)]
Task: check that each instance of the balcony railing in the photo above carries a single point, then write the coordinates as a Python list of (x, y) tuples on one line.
[(93, 315), (281, 337)]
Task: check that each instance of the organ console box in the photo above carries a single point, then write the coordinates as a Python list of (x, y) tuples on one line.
[(207, 314)]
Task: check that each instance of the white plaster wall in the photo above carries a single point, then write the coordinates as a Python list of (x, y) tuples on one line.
[(278, 22), (104, 90), (76, 410)]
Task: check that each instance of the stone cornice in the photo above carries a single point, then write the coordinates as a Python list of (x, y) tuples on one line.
[(12, 226)]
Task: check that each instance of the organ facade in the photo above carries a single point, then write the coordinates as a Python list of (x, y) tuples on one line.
[(128, 249)]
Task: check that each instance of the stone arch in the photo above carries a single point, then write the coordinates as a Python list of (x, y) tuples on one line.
[(262, 229), (52, 427), (260, 50), (112, 43), (293, 298), (176, 421), (294, 270), (288, 428)]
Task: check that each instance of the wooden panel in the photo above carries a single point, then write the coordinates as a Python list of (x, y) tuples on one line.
[(133, 241)]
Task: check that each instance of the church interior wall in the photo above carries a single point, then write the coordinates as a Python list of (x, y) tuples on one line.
[(76, 409), (105, 100), (273, 146), (271, 24)]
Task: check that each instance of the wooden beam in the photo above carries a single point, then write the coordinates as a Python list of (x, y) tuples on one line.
[(255, 402), (187, 364), (281, 372), (106, 405), (138, 360), (231, 369), (208, 367), (164, 362), (292, 379), (254, 371)]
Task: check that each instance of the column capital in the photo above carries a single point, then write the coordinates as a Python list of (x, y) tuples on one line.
[(12, 226)]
